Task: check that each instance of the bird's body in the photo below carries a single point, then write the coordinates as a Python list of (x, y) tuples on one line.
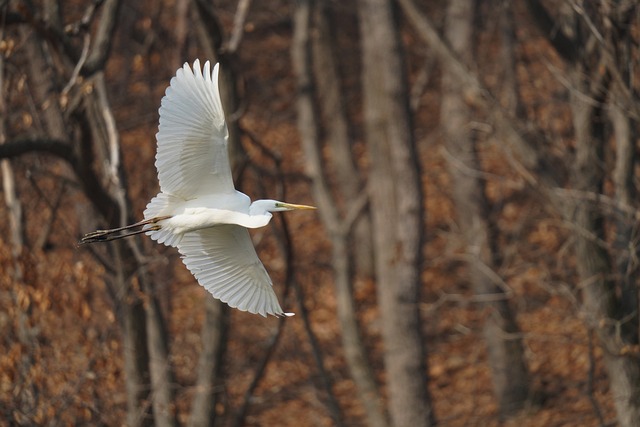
[(198, 209), (198, 213)]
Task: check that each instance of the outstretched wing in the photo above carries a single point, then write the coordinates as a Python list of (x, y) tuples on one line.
[(225, 262), (192, 158)]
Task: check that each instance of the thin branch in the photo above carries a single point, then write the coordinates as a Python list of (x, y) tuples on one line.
[(490, 273), (106, 118), (54, 147), (275, 157), (316, 350), (273, 342), (104, 38), (602, 200), (422, 80), (210, 24), (86, 19), (93, 189), (285, 245), (288, 254), (76, 70), (256, 141), (334, 408), (517, 134), (591, 380), (53, 206), (14, 206), (356, 209), (238, 26), (258, 375)]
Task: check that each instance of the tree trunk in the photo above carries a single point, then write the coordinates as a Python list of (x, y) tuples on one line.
[(626, 230), (397, 213), (131, 316), (354, 349), (203, 408), (502, 337), (14, 207), (625, 134), (91, 123), (347, 182), (214, 336), (602, 307), (161, 372), (606, 312), (147, 383)]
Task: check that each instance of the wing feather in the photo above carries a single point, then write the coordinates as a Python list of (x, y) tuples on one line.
[(192, 157), (224, 262)]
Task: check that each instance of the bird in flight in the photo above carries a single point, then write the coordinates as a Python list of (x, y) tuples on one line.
[(198, 209)]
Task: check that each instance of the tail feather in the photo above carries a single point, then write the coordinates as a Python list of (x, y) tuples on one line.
[(164, 236), (161, 205)]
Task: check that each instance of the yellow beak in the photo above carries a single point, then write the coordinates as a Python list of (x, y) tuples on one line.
[(291, 206)]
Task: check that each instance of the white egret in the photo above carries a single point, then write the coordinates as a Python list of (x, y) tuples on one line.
[(198, 209)]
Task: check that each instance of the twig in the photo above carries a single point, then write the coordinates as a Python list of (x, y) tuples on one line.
[(518, 137), (285, 244), (289, 274), (255, 140), (490, 273), (600, 199), (84, 22), (273, 343), (418, 88), (53, 207), (481, 174), (334, 408), (238, 26), (103, 39), (76, 70), (591, 381), (354, 212), (11, 199), (275, 157), (55, 147)]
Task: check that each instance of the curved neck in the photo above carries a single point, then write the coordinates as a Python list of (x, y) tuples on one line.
[(256, 220)]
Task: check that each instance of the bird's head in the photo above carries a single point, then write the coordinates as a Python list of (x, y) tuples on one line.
[(262, 206)]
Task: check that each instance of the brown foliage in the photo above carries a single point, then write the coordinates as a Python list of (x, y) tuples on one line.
[(61, 348)]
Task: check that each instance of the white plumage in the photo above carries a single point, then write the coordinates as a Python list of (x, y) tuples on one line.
[(198, 209)]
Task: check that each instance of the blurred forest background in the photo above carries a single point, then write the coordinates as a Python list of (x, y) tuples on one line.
[(474, 258)]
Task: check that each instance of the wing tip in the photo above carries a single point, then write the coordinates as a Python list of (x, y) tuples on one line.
[(196, 66), (263, 308), (206, 71), (264, 313)]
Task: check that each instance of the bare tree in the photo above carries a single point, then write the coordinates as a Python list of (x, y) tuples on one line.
[(84, 131), (11, 198), (337, 225), (203, 407), (587, 51), (397, 212), (346, 182), (501, 333)]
